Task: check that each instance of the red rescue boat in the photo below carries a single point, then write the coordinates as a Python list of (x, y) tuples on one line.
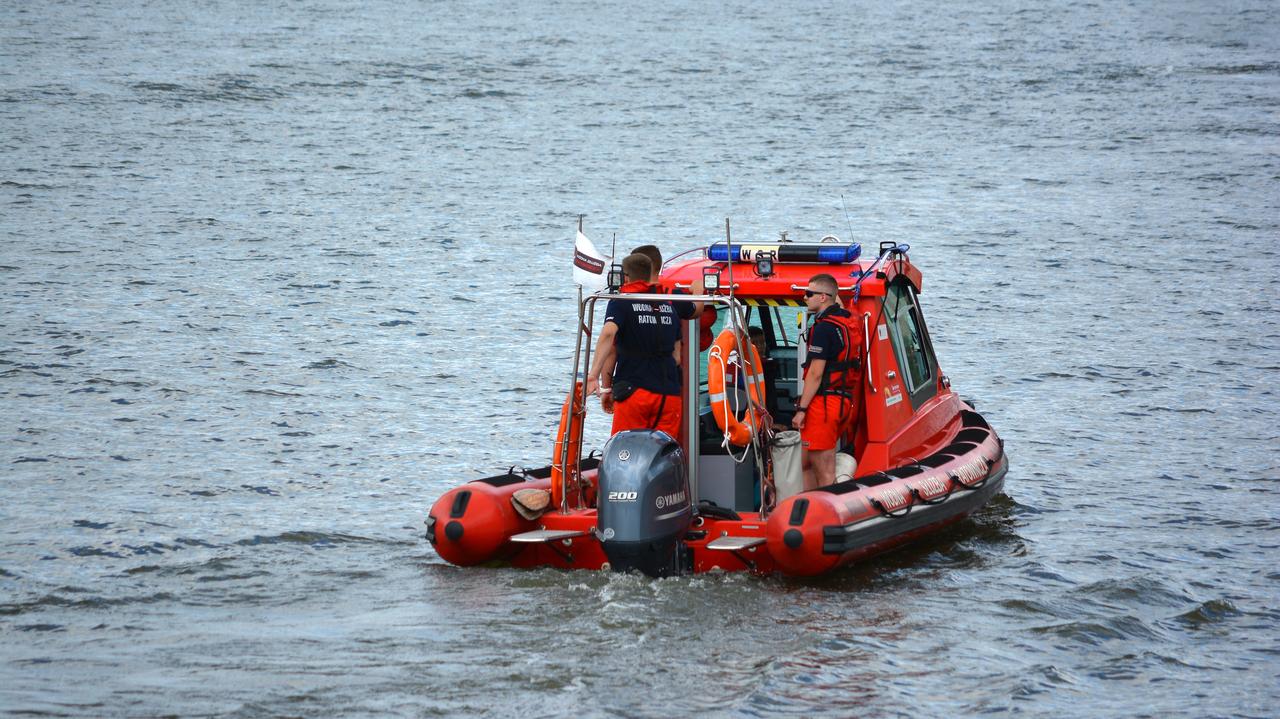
[(920, 457)]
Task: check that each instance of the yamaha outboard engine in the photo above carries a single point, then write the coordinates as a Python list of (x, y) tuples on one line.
[(644, 504)]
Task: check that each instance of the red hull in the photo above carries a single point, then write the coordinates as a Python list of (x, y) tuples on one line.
[(808, 534)]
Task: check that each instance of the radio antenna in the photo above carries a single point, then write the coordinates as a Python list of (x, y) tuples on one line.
[(846, 217), (728, 241)]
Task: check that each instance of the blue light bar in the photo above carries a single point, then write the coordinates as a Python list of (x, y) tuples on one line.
[(827, 252)]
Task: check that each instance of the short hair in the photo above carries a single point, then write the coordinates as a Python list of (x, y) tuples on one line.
[(826, 283), (653, 253), (637, 267)]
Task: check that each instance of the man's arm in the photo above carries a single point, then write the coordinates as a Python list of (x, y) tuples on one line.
[(605, 357)]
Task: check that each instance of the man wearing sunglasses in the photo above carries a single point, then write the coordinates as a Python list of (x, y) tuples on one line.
[(829, 403)]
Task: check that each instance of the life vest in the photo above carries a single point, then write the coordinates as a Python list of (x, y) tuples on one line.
[(843, 375), (723, 364), (572, 417)]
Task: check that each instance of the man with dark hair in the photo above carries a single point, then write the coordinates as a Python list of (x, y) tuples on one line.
[(634, 365), (832, 394), (655, 259)]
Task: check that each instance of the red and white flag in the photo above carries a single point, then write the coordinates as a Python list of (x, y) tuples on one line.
[(590, 267)]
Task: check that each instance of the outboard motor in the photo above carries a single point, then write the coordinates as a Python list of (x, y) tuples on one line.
[(644, 504)]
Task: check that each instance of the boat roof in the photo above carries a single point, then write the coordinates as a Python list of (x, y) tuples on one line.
[(788, 280)]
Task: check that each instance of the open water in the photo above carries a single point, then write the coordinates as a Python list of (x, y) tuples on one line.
[(274, 276)]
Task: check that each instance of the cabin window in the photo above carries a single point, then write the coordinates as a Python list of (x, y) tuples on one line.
[(782, 332), (909, 340), (786, 322)]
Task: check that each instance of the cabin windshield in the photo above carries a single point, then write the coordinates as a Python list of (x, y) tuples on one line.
[(909, 338)]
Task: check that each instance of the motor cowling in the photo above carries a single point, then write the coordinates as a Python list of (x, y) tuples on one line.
[(644, 507)]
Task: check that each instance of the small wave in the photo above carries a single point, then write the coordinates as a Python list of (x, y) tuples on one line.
[(329, 363), (1139, 590), (93, 602), (1250, 69), (260, 490), (1214, 611), (26, 186), (41, 628), (91, 525), (272, 393), (315, 539), (218, 89), (1095, 633), (160, 87), (87, 551), (478, 94), (116, 382)]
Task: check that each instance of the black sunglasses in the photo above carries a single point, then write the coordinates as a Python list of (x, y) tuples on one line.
[(811, 293)]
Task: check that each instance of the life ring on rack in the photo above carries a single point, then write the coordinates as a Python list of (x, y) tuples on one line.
[(723, 365), (572, 416)]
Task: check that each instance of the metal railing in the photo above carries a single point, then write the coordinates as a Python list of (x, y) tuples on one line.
[(689, 390)]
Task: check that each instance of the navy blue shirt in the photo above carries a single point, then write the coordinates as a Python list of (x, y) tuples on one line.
[(646, 340), (824, 339)]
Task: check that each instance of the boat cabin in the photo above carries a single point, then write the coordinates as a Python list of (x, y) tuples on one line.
[(907, 407)]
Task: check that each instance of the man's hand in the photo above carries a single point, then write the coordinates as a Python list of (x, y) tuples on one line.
[(606, 402), (592, 385), (798, 420)]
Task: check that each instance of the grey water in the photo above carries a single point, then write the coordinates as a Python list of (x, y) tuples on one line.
[(275, 276)]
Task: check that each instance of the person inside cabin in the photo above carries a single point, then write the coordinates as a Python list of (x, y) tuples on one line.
[(634, 367), (770, 369), (828, 405)]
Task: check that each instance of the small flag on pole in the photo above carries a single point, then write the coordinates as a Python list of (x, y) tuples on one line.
[(590, 267)]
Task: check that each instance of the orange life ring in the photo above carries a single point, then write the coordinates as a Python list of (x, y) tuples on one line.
[(572, 416), (722, 370)]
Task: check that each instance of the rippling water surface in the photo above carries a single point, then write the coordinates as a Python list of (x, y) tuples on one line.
[(275, 277)]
